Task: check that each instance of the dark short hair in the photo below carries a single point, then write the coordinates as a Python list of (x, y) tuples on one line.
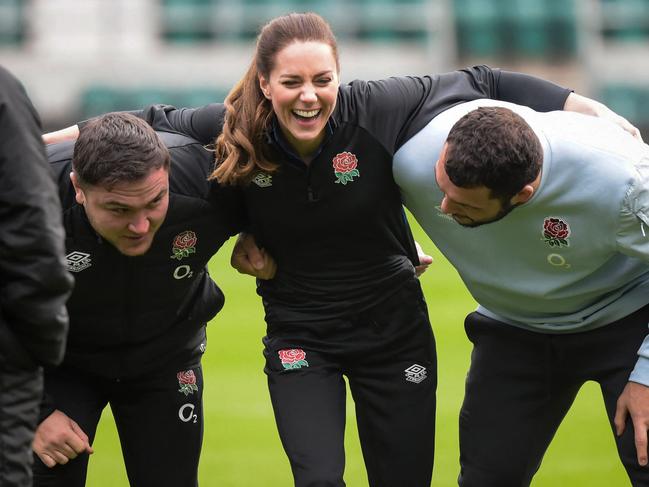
[(116, 148), (495, 148)]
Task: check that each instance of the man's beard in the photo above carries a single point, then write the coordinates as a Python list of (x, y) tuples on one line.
[(504, 211)]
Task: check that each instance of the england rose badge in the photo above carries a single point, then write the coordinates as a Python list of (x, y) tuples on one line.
[(184, 244), (293, 358), (345, 167), (187, 382), (556, 232)]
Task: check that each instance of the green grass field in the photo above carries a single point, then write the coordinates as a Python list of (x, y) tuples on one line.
[(241, 447)]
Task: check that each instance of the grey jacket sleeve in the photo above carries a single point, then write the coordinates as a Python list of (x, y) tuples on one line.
[(34, 281)]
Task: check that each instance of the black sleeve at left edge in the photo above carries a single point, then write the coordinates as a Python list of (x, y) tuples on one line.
[(536, 93), (203, 124)]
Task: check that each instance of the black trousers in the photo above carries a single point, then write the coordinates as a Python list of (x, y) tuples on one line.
[(520, 386), (159, 419), (388, 356), (20, 397)]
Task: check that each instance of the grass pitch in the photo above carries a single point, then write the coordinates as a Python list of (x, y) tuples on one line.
[(241, 447)]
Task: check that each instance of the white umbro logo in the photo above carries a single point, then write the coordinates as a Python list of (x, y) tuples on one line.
[(263, 180), (415, 373), (78, 261)]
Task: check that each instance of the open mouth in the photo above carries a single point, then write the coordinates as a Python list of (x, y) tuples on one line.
[(306, 114)]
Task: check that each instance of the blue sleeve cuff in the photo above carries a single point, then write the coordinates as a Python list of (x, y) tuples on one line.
[(640, 373)]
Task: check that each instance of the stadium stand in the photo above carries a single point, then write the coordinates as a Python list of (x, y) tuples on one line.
[(81, 58), (12, 22)]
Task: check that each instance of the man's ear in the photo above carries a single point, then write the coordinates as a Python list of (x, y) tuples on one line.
[(524, 195), (78, 192)]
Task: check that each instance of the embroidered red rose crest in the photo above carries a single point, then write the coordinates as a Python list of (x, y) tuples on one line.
[(184, 244), (293, 358), (187, 382), (345, 167), (556, 232)]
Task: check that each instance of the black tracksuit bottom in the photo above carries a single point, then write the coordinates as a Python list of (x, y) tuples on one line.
[(20, 397), (520, 386), (159, 418), (388, 355)]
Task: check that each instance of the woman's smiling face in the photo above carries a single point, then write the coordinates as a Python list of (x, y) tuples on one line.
[(303, 88)]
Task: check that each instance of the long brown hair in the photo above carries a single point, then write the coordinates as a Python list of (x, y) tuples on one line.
[(241, 149)]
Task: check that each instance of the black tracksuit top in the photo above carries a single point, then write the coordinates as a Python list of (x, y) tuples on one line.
[(34, 284), (129, 315), (336, 227)]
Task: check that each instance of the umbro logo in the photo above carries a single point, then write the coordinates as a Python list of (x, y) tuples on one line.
[(78, 261), (415, 373), (263, 180)]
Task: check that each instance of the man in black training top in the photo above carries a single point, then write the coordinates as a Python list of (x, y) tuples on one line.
[(142, 221)]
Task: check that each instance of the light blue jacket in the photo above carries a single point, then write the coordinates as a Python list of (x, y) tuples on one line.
[(574, 257)]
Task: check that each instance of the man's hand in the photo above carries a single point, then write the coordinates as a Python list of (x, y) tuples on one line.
[(587, 106), (424, 260), (249, 259), (59, 439), (634, 401)]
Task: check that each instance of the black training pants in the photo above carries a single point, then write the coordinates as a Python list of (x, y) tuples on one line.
[(20, 397), (159, 418), (388, 357), (520, 386)]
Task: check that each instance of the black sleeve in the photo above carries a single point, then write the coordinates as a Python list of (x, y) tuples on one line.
[(47, 406), (191, 167), (536, 93), (441, 92), (34, 281), (229, 203), (485, 82), (59, 156), (203, 124)]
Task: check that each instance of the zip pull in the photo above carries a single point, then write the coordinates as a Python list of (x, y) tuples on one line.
[(312, 197), (642, 228)]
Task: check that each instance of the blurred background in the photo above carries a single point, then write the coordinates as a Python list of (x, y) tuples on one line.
[(79, 58), (83, 57)]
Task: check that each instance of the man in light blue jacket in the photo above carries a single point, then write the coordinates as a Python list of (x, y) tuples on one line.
[(546, 218)]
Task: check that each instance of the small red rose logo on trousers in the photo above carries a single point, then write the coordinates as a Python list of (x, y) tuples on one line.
[(187, 382), (293, 358)]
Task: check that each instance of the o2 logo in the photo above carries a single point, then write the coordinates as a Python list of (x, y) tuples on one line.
[(186, 413), (183, 271)]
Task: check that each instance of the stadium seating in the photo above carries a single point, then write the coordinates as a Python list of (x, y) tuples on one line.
[(101, 99), (516, 28), (625, 20), (12, 22), (364, 20), (631, 101)]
